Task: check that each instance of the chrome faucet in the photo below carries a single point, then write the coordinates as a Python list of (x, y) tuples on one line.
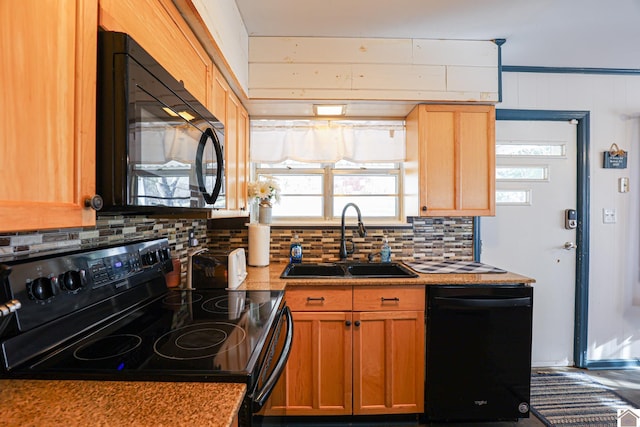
[(362, 231)]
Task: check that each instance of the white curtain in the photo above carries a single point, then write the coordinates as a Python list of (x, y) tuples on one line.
[(327, 142)]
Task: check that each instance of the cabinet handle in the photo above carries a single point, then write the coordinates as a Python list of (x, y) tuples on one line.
[(94, 202), (348, 323), (315, 299), (357, 323), (424, 209), (396, 299)]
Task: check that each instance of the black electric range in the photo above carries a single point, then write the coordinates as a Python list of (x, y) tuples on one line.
[(107, 314)]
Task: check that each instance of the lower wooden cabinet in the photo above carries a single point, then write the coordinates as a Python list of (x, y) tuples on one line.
[(317, 380), (388, 362), (355, 351)]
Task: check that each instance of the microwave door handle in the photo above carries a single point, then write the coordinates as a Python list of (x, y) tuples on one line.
[(200, 174), (261, 397)]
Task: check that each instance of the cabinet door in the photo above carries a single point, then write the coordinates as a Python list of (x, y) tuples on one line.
[(47, 113), (317, 378), (231, 152), (388, 362), (228, 109), (160, 29), (220, 94), (243, 158), (454, 148)]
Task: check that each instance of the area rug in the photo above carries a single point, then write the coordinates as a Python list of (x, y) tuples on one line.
[(574, 399)]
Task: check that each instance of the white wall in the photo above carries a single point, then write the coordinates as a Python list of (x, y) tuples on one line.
[(373, 69), (614, 104), (227, 29)]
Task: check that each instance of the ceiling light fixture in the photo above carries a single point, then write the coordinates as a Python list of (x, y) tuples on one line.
[(329, 110)]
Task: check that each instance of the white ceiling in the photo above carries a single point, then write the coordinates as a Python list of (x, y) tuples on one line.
[(547, 33)]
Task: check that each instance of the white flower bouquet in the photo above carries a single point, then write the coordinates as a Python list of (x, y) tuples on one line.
[(266, 191)]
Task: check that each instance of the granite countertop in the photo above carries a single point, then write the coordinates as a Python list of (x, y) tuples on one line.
[(268, 278), (118, 403)]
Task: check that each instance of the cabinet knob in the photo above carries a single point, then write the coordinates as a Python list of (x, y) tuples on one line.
[(357, 323), (94, 202), (348, 323), (424, 209)]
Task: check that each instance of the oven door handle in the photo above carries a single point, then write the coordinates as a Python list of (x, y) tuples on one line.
[(261, 397)]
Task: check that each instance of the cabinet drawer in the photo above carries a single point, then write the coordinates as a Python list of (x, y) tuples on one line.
[(319, 298), (389, 298)]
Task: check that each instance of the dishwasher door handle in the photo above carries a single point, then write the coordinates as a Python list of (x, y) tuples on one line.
[(452, 302)]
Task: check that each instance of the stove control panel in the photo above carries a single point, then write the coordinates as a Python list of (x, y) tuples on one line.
[(116, 267), (50, 287)]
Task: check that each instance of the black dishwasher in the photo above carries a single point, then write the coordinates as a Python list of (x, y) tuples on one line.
[(478, 352)]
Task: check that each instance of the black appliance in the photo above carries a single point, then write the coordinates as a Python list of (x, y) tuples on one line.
[(158, 148), (106, 314), (478, 352)]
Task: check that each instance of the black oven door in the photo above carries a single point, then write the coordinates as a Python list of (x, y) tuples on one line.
[(272, 367)]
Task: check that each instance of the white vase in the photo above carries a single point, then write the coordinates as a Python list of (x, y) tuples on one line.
[(264, 216)]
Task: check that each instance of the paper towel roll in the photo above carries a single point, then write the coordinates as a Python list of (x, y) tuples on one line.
[(259, 242)]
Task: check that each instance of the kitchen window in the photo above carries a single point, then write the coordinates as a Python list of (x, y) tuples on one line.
[(321, 166), (523, 163), (319, 191)]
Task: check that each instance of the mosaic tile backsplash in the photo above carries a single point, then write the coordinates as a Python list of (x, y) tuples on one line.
[(423, 239), (426, 239), (108, 230)]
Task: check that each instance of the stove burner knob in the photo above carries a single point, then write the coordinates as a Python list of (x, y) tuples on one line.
[(150, 258), (71, 280), (42, 288), (164, 254)]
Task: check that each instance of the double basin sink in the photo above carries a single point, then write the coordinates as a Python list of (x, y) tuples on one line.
[(347, 270)]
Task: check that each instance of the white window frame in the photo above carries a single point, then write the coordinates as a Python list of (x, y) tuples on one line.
[(328, 171)]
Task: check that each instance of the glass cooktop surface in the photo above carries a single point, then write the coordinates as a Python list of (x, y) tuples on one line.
[(191, 333)]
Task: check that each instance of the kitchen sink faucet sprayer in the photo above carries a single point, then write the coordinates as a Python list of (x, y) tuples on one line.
[(362, 231)]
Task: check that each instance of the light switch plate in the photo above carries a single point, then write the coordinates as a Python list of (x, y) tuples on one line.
[(623, 185), (609, 216)]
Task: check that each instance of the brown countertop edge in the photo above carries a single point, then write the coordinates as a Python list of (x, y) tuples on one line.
[(118, 403), (268, 278)]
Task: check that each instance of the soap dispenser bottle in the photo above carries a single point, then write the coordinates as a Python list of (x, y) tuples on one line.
[(385, 250), (295, 250)]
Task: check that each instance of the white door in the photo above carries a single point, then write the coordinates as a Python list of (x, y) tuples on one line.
[(535, 183)]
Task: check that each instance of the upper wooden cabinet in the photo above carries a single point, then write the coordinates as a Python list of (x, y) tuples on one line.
[(159, 28), (450, 169), (228, 109), (47, 113)]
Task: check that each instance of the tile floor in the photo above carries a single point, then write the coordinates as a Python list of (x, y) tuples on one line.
[(626, 382)]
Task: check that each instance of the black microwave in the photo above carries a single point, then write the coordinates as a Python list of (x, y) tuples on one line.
[(158, 148)]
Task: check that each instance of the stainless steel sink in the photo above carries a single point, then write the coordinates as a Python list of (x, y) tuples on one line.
[(352, 270)]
